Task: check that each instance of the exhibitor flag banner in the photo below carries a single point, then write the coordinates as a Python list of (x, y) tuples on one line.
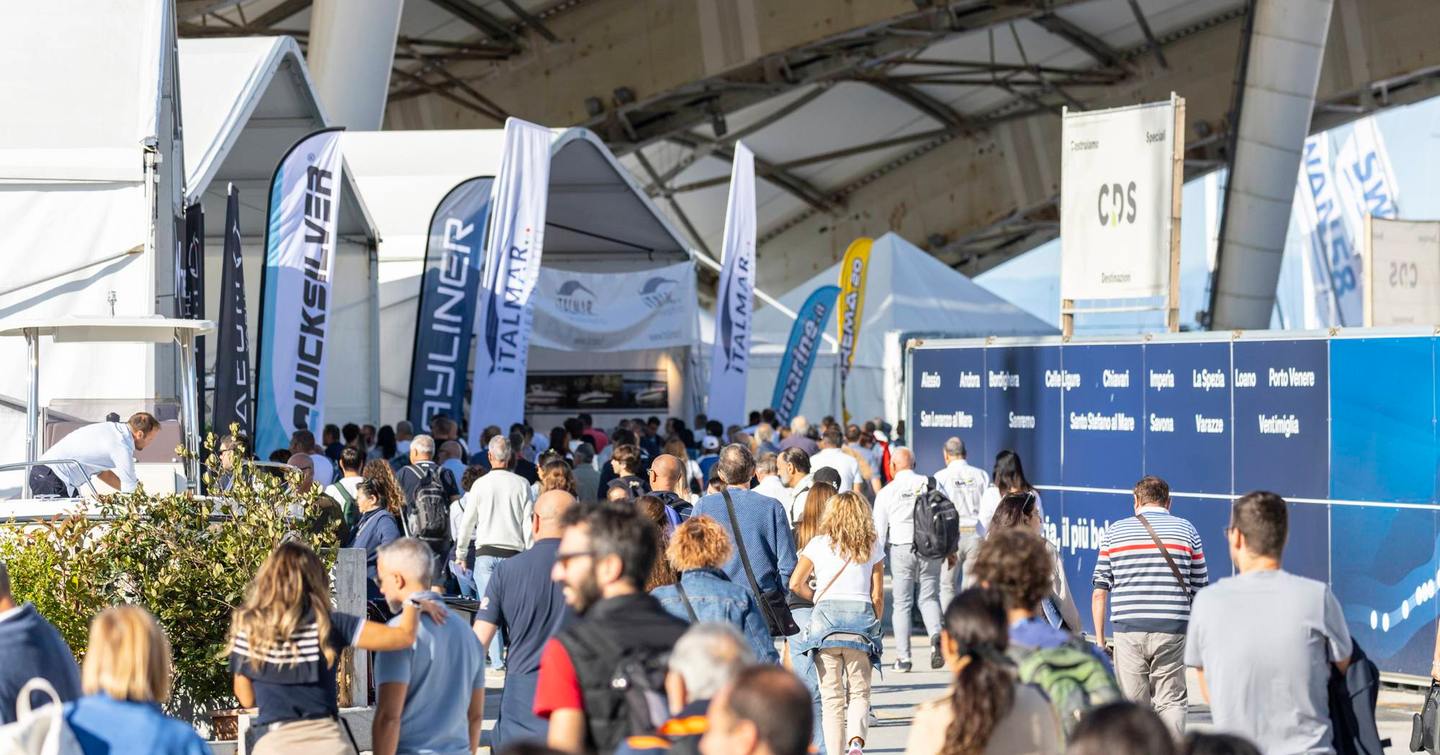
[(645, 309), (804, 344), (1332, 265), (505, 309), (300, 243), (852, 308), (734, 301), (190, 284), (449, 288), (1364, 177), (232, 353), (1117, 182)]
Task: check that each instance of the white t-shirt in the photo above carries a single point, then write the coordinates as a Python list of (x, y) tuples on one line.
[(853, 583), (98, 447), (834, 458), (895, 508), (963, 485)]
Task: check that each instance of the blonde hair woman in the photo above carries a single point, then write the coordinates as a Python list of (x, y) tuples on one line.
[(844, 632), (285, 646), (126, 676)]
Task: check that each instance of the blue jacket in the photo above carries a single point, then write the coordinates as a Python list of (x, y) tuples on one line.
[(766, 529), (30, 646), (715, 598), (377, 527)]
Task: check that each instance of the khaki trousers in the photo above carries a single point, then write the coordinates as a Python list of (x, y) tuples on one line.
[(844, 675), (319, 736), (1150, 667)]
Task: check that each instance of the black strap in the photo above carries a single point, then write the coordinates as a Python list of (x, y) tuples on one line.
[(1175, 570), (689, 609), (745, 560)]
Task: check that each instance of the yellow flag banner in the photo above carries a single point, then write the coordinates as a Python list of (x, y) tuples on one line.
[(851, 308)]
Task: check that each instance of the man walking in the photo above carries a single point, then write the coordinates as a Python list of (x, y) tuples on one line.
[(793, 466), (429, 489), (497, 520), (1153, 563), (707, 657), (832, 455), (418, 710), (604, 558), (525, 608), (963, 485), (1263, 641), (758, 528), (767, 471), (765, 711), (895, 525)]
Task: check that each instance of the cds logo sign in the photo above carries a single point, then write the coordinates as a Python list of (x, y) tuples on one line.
[(1115, 203), (574, 298), (659, 292)]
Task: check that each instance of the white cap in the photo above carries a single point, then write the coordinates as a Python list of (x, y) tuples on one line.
[(710, 443)]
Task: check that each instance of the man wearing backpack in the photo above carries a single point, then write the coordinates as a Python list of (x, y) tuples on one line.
[(1074, 674), (1154, 563), (602, 678), (429, 489), (895, 525), (963, 484), (497, 520), (343, 490)]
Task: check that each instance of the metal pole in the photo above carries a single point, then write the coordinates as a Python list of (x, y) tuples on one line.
[(188, 409), (32, 405)]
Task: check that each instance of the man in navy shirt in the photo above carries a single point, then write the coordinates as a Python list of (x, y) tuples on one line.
[(764, 525), (527, 608)]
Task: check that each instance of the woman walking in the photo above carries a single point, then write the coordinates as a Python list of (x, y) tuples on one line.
[(844, 635), (701, 592), (285, 646), (1008, 477), (126, 677), (987, 711), (797, 648), (1022, 511)]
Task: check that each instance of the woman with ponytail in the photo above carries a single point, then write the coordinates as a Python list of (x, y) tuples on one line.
[(987, 712)]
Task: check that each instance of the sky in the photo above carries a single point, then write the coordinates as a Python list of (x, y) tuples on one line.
[(1032, 280)]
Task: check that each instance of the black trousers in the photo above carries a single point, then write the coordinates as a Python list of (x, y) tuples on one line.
[(44, 483)]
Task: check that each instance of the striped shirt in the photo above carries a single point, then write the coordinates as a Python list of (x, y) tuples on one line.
[(1144, 594)]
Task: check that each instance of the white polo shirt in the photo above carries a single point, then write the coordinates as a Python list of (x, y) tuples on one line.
[(98, 447), (838, 460), (895, 508), (963, 485)]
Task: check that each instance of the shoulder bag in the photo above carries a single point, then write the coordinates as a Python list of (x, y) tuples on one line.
[(772, 603), (1175, 570)]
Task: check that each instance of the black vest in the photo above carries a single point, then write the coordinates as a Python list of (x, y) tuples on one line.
[(632, 625)]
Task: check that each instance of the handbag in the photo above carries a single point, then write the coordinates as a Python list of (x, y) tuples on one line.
[(39, 731), (772, 604), (1422, 730)]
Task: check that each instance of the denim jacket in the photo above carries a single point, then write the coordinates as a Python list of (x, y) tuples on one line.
[(842, 624), (715, 598)]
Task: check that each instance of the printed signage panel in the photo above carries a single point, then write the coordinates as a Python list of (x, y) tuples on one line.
[(949, 401), (1282, 396), (1382, 430), (1404, 273), (1103, 404), (1187, 415), (1384, 573), (1116, 186), (1021, 410)]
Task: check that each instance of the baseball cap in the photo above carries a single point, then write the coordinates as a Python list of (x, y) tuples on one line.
[(828, 474), (711, 443)]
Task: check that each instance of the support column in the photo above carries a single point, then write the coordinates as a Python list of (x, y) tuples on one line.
[(352, 46)]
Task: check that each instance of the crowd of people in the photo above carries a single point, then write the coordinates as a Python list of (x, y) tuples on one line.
[(654, 588)]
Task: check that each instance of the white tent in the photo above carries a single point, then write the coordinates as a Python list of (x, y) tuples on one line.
[(908, 294), (245, 101), (598, 219)]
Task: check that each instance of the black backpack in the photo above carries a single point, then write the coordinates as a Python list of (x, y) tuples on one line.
[(428, 514), (632, 701), (937, 523), (1353, 696)]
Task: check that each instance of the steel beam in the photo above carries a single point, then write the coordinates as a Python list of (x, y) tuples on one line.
[(1092, 45)]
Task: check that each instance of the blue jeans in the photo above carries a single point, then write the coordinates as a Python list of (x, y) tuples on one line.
[(484, 568), (803, 664)]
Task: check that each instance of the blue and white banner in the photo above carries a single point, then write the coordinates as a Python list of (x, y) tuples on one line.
[(800, 352), (1332, 263), (449, 288), (300, 244), (512, 266), (1364, 178), (615, 311), (734, 303)]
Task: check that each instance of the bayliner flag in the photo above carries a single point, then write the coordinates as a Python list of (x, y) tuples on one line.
[(232, 354), (448, 290), (734, 301), (805, 338), (192, 287), (300, 242), (852, 308), (504, 312)]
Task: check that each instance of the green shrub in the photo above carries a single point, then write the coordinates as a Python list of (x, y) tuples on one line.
[(184, 558)]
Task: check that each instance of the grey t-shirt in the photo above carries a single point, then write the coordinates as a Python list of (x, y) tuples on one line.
[(1265, 641)]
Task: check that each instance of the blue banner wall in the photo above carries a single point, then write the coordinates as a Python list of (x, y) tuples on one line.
[(1345, 428)]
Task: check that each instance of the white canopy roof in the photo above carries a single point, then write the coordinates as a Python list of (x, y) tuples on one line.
[(98, 329)]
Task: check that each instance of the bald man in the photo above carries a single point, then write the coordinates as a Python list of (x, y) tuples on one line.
[(895, 524), (667, 481), (522, 601)]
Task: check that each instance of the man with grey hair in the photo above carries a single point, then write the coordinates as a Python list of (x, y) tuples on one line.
[(417, 708), (800, 437), (29, 647), (963, 485), (429, 489), (497, 520), (705, 659), (767, 471), (762, 555), (895, 526)]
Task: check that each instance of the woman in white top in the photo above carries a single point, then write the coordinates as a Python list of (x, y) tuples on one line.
[(844, 632), (1008, 477), (987, 711), (1022, 511)]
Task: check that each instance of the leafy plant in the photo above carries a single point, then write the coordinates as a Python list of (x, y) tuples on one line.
[(187, 559)]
